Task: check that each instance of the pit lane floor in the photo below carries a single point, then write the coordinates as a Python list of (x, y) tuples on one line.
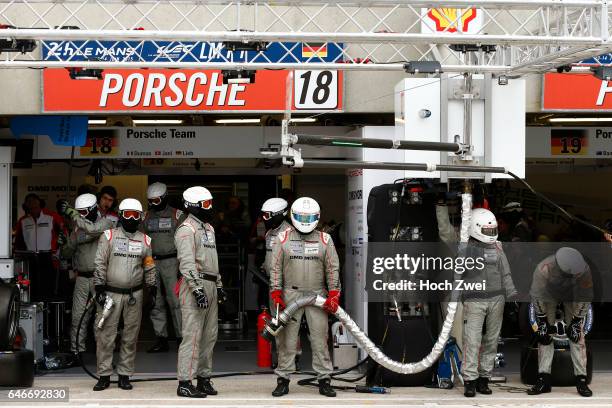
[(254, 391)]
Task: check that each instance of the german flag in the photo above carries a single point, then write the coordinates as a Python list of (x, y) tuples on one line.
[(314, 50), (569, 142)]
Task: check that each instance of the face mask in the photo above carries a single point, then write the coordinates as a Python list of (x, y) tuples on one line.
[(130, 225), (92, 215), (274, 222), (203, 215)]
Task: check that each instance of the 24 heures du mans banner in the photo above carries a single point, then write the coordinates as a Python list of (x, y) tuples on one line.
[(122, 90)]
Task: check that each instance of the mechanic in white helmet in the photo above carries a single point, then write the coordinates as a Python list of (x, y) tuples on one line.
[(274, 215), (160, 223), (304, 261), (81, 246), (124, 267), (200, 290), (479, 349), (562, 277)]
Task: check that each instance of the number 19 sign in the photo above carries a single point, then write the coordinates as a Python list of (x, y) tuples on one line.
[(315, 90)]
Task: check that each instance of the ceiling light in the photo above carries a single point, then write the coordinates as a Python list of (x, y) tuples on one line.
[(238, 76), (568, 120), (158, 121), (236, 121), (97, 121), (84, 73), (302, 120)]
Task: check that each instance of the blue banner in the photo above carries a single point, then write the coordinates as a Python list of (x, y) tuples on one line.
[(62, 130), (173, 51)]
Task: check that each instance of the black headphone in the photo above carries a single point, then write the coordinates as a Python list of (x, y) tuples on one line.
[(24, 207)]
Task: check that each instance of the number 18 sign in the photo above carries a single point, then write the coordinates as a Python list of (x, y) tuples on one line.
[(315, 90), (100, 143)]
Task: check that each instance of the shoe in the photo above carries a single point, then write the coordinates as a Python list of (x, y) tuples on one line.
[(186, 389), (160, 346), (542, 385), (482, 386), (282, 387), (582, 387), (103, 383), (469, 388), (326, 389), (124, 383), (205, 386)]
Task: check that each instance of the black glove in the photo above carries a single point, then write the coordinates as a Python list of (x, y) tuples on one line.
[(61, 239), (100, 295), (221, 296), (574, 332), (542, 334), (201, 298), (152, 296)]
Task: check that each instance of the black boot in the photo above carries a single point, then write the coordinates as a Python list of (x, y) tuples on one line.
[(103, 383), (205, 386), (469, 388), (186, 389), (542, 385), (160, 346), (282, 387), (326, 389), (582, 387), (124, 382), (482, 386)]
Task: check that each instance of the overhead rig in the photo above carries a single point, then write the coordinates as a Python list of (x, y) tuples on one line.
[(516, 36)]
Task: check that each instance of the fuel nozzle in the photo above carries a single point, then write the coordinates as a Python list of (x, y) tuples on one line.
[(108, 305)]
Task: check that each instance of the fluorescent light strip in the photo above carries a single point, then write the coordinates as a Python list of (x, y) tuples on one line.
[(302, 120), (97, 121), (158, 121), (236, 121), (569, 120)]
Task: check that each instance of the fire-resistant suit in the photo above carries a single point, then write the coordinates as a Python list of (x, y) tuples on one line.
[(198, 264), (549, 287), (303, 264), (161, 226), (479, 350), (82, 247), (124, 265)]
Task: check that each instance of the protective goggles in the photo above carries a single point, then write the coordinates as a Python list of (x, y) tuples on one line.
[(306, 218), (267, 215), (131, 214), (83, 211), (489, 231), (155, 200)]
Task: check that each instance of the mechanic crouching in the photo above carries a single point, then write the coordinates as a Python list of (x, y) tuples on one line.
[(124, 267)]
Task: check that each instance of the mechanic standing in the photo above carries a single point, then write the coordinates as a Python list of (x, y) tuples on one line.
[(562, 277), (124, 267), (304, 262), (160, 224), (81, 247), (479, 349), (199, 290)]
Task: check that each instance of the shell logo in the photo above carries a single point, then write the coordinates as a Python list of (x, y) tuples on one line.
[(451, 19)]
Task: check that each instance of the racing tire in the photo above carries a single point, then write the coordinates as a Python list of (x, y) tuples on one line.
[(16, 368), (9, 315)]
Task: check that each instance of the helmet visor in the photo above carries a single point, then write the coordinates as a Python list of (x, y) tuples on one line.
[(267, 215), (306, 218), (83, 211), (131, 214), (206, 204), (155, 201), (489, 231)]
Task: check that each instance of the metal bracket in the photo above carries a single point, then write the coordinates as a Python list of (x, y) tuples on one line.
[(291, 156)]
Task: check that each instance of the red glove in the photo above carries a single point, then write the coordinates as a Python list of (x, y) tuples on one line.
[(332, 302), (277, 298)]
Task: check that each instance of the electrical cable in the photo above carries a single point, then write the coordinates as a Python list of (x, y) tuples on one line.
[(311, 380)]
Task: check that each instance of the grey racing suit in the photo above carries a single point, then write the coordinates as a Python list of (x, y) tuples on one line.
[(82, 246), (161, 226), (199, 267), (124, 265), (548, 288), (303, 264), (479, 350)]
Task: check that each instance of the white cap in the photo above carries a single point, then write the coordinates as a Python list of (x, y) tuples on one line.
[(130, 204), (156, 190), (274, 205), (571, 261), (85, 201), (196, 194)]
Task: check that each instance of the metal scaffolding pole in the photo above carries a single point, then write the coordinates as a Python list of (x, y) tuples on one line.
[(356, 164), (316, 140)]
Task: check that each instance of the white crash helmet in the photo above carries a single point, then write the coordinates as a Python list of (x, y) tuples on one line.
[(305, 214), (85, 204), (512, 206), (156, 190), (197, 196), (130, 208), (274, 206), (570, 261), (483, 226)]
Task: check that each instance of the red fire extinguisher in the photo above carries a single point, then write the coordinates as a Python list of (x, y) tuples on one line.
[(264, 348)]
